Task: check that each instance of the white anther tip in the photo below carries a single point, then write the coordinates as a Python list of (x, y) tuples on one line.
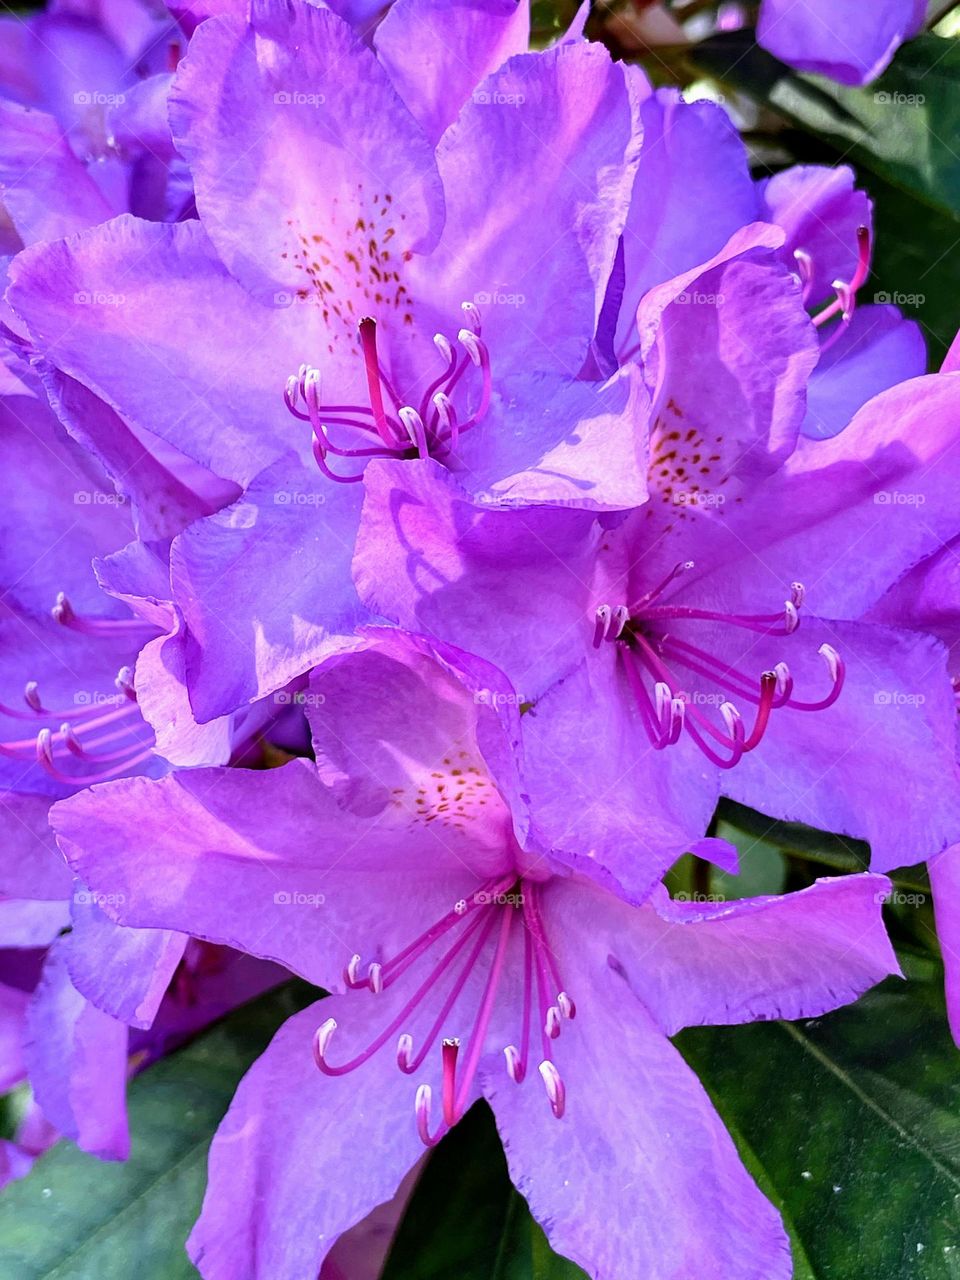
[(471, 344), (554, 1086), (45, 746), (832, 659), (375, 977), (321, 1041), (352, 969), (404, 1051), (515, 1068), (552, 1024), (566, 1006), (422, 1108), (731, 716)]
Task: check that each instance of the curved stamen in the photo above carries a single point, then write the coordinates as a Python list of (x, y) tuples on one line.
[(123, 681), (64, 613), (678, 569), (320, 1048), (494, 922), (125, 762), (476, 349), (845, 299), (414, 1063), (449, 433), (449, 357), (471, 313)]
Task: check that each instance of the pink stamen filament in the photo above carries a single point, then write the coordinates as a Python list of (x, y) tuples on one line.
[(128, 761), (845, 299), (404, 1061), (15, 750), (403, 1016), (433, 430), (457, 1078), (646, 654), (63, 612)]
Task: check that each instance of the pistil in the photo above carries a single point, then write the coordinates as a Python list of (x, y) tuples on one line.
[(401, 430)]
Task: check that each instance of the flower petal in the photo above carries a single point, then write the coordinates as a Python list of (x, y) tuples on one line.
[(436, 53), (265, 862), (300, 148), (278, 1192), (77, 1062), (281, 557), (753, 959), (676, 1199)]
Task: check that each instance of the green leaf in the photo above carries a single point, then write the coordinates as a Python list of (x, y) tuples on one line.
[(904, 126), (466, 1220), (912, 177), (75, 1217), (851, 1123), (837, 852)]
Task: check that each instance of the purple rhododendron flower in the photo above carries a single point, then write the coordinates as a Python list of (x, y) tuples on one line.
[(359, 277), (708, 668), (83, 132), (848, 40), (70, 716), (483, 967)]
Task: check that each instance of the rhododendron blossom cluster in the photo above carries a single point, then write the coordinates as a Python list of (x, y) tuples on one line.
[(442, 468)]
